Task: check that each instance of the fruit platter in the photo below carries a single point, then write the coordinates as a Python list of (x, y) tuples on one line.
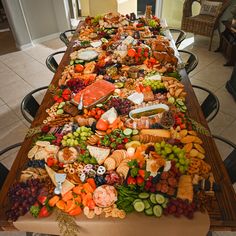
[(118, 138)]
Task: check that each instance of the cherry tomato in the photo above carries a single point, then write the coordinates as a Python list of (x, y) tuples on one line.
[(131, 52)]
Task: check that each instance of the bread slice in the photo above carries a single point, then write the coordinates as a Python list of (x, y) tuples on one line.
[(100, 154), (156, 132)]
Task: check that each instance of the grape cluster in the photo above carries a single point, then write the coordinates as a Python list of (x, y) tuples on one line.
[(80, 135), (122, 106), (178, 207), (76, 85), (36, 163), (173, 153), (22, 196), (156, 85)]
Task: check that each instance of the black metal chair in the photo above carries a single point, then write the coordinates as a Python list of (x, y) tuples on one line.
[(51, 62), (192, 61), (230, 160), (181, 36), (29, 105), (211, 105), (3, 170), (64, 38)]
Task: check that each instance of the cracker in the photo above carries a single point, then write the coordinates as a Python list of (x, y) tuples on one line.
[(33, 151), (188, 139), (199, 148), (110, 163), (123, 171), (41, 155), (193, 153), (42, 143)]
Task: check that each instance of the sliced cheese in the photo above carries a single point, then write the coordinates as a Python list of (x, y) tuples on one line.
[(100, 154)]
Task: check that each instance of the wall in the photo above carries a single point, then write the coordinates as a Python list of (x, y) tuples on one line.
[(173, 12), (127, 6), (34, 20), (17, 23), (40, 17)]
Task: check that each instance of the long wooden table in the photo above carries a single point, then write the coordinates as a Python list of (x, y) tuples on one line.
[(222, 216)]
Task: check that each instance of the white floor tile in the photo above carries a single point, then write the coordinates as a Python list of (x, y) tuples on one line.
[(14, 90), (13, 133), (7, 116)]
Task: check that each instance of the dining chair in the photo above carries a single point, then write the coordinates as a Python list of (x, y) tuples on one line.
[(230, 160), (64, 37), (181, 36), (3, 170), (211, 105), (29, 105), (51, 62), (204, 23), (191, 62)]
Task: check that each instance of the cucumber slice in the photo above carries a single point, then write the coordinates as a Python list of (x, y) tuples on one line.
[(160, 199), (139, 206), (146, 204), (127, 132), (137, 200), (71, 62), (153, 198), (135, 132), (149, 212), (157, 210), (79, 61), (143, 195)]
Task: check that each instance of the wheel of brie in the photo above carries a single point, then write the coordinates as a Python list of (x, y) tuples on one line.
[(67, 155), (87, 54)]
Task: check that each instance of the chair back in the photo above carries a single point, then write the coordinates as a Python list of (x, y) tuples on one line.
[(230, 160), (191, 62), (29, 105), (51, 62), (64, 38), (3, 170), (211, 105), (181, 36)]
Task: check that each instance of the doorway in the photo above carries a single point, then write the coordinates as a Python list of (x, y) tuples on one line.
[(142, 6), (7, 41)]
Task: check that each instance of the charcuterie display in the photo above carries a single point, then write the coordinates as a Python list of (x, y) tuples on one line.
[(118, 139)]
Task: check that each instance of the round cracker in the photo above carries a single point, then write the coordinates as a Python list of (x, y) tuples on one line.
[(110, 163), (42, 143), (41, 155)]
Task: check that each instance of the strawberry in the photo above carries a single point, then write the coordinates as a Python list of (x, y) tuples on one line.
[(56, 97), (66, 92), (45, 129), (139, 180), (42, 199), (142, 173), (131, 180), (35, 209), (66, 96), (50, 161), (44, 212), (125, 140)]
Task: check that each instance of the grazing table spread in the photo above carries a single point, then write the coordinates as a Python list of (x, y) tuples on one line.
[(119, 143)]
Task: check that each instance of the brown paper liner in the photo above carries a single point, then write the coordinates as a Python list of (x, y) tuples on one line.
[(133, 225)]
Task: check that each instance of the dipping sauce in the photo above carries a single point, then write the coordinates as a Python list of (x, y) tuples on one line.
[(148, 113)]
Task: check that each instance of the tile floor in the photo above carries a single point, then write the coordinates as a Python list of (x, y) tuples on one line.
[(23, 71)]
